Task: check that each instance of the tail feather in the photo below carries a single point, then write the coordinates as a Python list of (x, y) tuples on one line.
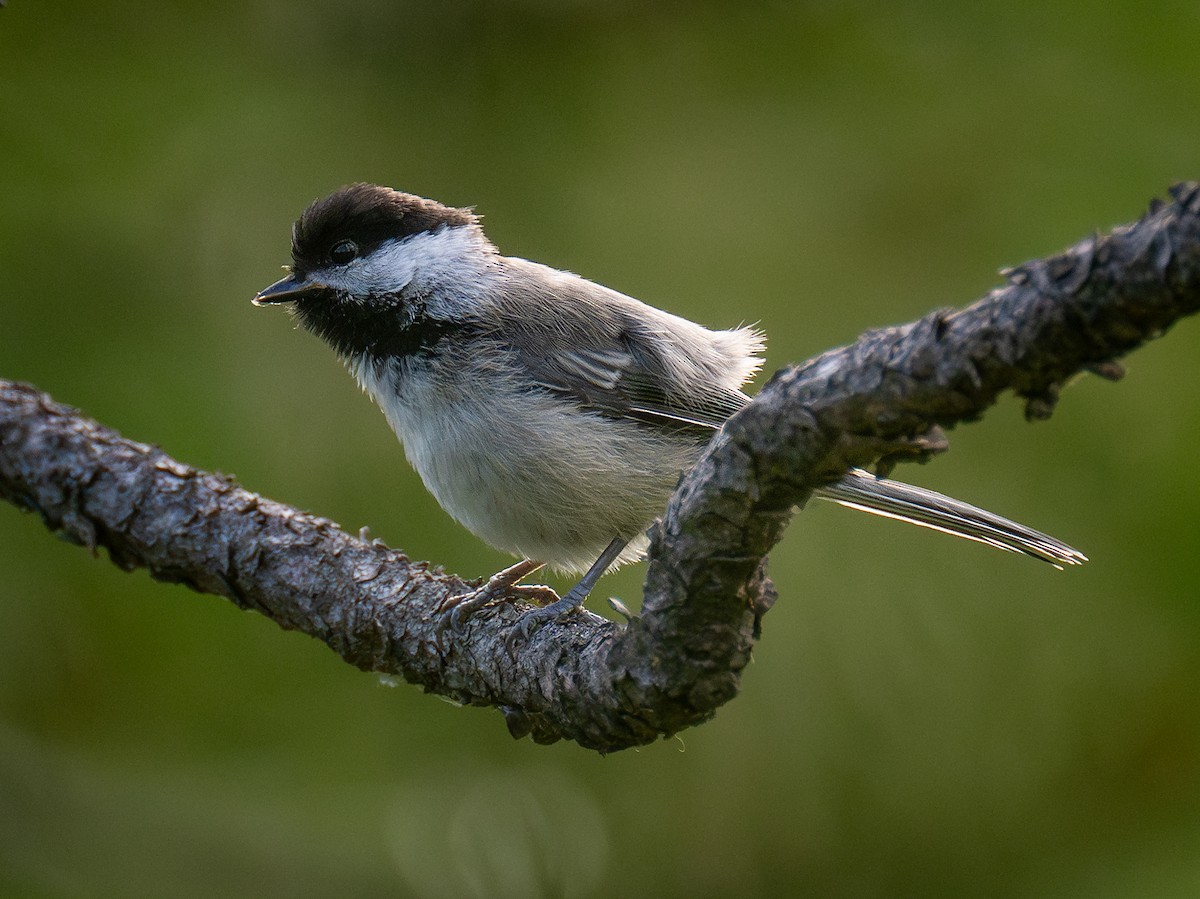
[(893, 499)]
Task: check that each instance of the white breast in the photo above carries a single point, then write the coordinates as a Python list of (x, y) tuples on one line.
[(528, 473)]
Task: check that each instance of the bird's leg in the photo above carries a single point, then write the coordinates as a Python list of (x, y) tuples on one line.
[(525, 626), (455, 610)]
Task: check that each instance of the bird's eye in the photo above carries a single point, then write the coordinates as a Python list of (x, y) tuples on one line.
[(343, 251)]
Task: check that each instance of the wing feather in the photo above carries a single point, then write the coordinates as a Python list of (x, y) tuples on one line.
[(627, 360)]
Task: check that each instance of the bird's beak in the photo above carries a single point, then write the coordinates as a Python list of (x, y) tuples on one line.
[(286, 290)]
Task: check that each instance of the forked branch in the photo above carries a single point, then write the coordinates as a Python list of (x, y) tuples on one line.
[(610, 686)]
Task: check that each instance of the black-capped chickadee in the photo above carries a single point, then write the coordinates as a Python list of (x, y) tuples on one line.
[(549, 415)]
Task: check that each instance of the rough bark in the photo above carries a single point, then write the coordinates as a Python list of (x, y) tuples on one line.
[(609, 686)]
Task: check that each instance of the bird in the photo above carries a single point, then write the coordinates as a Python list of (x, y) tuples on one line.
[(549, 415)]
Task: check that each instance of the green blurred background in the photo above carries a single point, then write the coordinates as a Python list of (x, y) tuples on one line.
[(923, 716)]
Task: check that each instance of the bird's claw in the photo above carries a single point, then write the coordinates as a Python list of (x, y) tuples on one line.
[(533, 620), (455, 611), (524, 628)]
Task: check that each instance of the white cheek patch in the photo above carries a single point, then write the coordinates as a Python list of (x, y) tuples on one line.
[(445, 256)]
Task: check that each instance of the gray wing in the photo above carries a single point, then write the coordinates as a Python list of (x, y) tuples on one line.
[(619, 357), (623, 375)]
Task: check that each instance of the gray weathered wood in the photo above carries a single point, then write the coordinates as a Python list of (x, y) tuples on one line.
[(608, 686)]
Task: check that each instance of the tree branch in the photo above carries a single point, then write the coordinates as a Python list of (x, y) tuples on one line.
[(608, 686)]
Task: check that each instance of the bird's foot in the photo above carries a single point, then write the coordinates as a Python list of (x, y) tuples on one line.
[(529, 623), (453, 611)]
